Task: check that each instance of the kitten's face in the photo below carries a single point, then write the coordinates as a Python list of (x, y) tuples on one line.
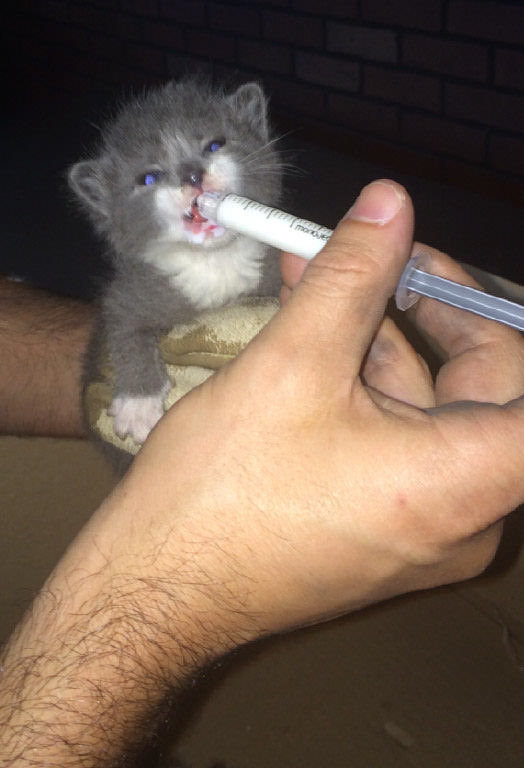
[(186, 167), (166, 149)]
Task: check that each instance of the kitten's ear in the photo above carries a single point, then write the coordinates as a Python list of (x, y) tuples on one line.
[(249, 104), (86, 180)]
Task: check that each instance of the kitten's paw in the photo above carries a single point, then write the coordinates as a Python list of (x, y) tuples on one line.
[(136, 415)]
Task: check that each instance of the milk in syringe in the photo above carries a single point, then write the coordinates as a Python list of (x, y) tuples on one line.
[(306, 239), (268, 225)]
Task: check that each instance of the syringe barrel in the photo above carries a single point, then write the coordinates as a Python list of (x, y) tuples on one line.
[(266, 224), (306, 239), (416, 282)]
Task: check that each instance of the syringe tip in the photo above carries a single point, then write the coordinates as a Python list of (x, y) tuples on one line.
[(207, 204)]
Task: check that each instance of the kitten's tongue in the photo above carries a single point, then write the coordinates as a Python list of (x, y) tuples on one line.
[(197, 216)]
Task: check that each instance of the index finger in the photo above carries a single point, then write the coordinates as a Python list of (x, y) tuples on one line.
[(485, 359)]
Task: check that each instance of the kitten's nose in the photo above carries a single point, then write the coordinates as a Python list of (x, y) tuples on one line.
[(191, 174)]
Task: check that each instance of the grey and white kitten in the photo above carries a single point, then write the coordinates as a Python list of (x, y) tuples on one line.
[(159, 153)]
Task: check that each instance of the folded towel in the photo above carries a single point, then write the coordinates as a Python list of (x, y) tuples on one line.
[(192, 352)]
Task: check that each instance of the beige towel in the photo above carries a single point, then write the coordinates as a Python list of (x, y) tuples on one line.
[(192, 352)]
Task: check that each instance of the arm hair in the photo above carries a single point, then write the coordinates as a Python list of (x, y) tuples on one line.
[(42, 343)]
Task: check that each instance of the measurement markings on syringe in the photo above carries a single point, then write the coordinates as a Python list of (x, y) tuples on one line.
[(248, 205), (302, 226), (321, 234)]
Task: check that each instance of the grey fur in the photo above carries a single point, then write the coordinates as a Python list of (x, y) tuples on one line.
[(168, 129)]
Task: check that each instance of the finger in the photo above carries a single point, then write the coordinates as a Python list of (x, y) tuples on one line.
[(340, 300), (292, 268), (394, 368), (484, 455), (285, 293), (485, 358)]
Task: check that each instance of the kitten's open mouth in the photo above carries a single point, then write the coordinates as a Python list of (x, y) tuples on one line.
[(198, 229), (193, 214)]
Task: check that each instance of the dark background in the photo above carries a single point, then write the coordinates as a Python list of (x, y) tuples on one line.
[(421, 90)]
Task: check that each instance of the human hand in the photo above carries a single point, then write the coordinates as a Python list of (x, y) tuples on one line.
[(323, 469)]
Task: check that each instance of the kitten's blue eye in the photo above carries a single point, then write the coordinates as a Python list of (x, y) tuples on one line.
[(151, 177), (215, 145)]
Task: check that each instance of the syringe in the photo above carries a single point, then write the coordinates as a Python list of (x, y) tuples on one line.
[(306, 239)]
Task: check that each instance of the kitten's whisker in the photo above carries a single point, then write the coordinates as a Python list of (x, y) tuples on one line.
[(269, 169), (267, 144)]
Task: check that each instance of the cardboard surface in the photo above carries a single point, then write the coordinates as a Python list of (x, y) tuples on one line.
[(433, 680)]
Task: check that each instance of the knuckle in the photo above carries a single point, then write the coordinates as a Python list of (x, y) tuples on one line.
[(344, 265)]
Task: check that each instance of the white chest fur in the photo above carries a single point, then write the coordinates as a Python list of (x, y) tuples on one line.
[(211, 277)]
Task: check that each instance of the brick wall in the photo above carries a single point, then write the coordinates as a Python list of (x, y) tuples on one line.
[(435, 87)]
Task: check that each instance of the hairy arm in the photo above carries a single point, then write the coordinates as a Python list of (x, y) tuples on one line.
[(42, 342), (118, 629)]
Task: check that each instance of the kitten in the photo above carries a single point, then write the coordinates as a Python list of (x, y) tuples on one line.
[(159, 153)]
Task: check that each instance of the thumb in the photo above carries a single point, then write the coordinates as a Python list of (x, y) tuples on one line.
[(340, 300)]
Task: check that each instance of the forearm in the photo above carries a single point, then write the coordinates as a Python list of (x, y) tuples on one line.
[(42, 342), (84, 684), (113, 636)]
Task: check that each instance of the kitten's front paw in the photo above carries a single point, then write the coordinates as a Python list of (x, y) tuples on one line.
[(136, 415)]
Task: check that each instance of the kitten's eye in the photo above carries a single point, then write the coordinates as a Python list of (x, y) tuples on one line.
[(215, 145), (150, 177)]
